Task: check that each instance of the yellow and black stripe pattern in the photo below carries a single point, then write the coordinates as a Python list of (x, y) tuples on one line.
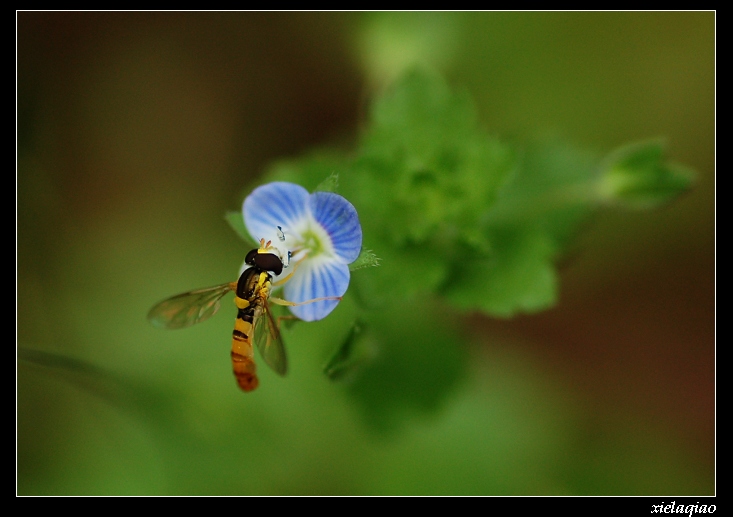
[(253, 289)]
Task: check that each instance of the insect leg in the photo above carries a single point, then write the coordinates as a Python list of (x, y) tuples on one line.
[(280, 301), (287, 277)]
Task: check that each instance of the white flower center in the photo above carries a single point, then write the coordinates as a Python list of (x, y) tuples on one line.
[(307, 239), (311, 239)]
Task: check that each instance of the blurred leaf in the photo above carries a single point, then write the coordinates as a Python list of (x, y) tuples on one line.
[(636, 177), (509, 267), (330, 184), (425, 167), (551, 189), (419, 361), (131, 394), (402, 274), (355, 351), (519, 276)]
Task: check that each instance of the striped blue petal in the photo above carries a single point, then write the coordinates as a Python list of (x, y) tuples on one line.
[(317, 279), (308, 221), (272, 205), (340, 220)]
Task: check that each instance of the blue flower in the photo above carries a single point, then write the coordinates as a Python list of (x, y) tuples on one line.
[(316, 235)]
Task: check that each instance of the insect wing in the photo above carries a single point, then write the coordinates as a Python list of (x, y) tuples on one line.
[(268, 340), (189, 308)]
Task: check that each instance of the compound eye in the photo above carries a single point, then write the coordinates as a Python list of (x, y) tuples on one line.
[(269, 262), (250, 258)]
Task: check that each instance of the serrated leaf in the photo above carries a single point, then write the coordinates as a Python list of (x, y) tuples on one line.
[(366, 258)]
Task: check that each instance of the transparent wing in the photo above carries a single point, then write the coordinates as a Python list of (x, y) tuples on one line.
[(189, 308), (268, 340)]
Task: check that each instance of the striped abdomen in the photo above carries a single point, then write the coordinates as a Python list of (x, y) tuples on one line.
[(252, 285), (243, 362)]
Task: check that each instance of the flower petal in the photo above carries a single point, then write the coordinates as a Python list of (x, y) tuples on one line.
[(317, 278), (272, 205), (339, 218)]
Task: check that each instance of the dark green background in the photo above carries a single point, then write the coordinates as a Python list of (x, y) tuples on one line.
[(138, 131)]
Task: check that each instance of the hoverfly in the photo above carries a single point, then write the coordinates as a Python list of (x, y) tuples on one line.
[(254, 318)]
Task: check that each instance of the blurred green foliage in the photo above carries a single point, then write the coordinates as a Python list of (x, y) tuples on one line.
[(456, 215), (637, 177), (136, 131)]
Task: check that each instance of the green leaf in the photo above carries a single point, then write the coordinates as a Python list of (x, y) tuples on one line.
[(519, 276), (330, 184), (425, 166), (366, 258), (356, 350), (402, 275), (635, 176), (553, 189), (417, 359)]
